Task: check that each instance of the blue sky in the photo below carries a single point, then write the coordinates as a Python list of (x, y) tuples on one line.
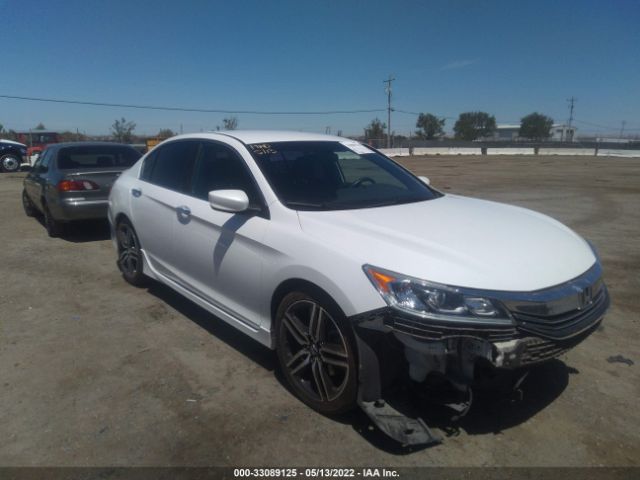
[(505, 57)]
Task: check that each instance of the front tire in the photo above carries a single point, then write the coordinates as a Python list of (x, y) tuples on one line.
[(129, 254), (316, 353), (10, 163)]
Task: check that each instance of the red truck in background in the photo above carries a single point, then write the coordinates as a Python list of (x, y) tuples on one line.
[(37, 140)]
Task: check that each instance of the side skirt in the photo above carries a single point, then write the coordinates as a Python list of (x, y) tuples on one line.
[(253, 331)]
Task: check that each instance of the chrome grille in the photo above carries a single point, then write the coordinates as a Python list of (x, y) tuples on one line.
[(567, 324), (540, 349), (431, 331)]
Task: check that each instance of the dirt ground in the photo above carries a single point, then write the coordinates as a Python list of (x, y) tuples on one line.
[(94, 372)]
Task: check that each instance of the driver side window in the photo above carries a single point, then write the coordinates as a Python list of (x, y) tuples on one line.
[(221, 168)]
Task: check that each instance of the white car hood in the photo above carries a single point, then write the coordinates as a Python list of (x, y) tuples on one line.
[(457, 241), (13, 143)]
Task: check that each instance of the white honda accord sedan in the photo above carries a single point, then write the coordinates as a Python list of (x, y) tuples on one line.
[(353, 269)]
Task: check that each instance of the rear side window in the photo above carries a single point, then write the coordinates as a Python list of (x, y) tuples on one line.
[(171, 165), (96, 157), (42, 164), (221, 168), (147, 166)]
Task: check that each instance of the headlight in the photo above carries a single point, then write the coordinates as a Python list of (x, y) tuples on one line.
[(436, 301)]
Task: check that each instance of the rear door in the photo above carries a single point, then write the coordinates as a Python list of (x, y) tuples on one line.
[(37, 180), (30, 185), (155, 200)]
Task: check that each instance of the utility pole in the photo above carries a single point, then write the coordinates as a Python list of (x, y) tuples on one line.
[(624, 122), (388, 90), (572, 102)]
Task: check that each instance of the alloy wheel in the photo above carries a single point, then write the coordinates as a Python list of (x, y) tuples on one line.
[(128, 250), (316, 354)]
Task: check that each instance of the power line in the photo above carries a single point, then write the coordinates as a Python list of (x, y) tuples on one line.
[(417, 114), (605, 127), (187, 109)]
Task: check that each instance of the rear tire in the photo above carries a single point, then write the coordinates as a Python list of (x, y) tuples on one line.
[(129, 254), (10, 163), (315, 348), (53, 226), (29, 209)]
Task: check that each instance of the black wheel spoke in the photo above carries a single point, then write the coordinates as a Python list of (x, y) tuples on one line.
[(321, 380), (299, 361), (296, 329), (122, 238), (316, 323), (333, 354), (131, 240)]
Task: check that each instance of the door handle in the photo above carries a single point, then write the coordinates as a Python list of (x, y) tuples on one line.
[(136, 192), (184, 211)]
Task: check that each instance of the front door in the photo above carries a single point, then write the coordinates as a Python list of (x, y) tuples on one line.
[(220, 254)]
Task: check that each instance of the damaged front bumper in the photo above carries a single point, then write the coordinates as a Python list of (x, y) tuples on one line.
[(545, 325)]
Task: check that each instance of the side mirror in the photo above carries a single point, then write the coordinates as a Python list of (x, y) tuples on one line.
[(425, 180), (229, 200)]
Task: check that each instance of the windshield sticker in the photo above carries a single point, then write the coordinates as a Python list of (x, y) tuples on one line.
[(262, 149), (357, 147)]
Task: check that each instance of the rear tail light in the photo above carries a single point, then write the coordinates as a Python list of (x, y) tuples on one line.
[(77, 185)]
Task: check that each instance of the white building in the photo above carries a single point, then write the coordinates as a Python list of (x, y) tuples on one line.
[(559, 133), (507, 132), (563, 133)]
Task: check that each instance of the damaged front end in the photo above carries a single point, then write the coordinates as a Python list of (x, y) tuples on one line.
[(512, 331)]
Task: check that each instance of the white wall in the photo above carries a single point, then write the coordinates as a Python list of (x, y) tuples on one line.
[(610, 152), (566, 151), (510, 151), (402, 152)]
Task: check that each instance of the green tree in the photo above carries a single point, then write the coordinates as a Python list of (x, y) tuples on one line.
[(40, 126), (165, 133), (122, 130), (536, 126), (230, 123), (430, 126), (474, 125), (375, 130)]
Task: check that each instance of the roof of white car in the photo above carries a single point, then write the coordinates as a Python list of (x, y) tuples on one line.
[(265, 136)]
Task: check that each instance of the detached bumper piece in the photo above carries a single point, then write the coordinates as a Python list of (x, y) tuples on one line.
[(546, 324), (407, 431)]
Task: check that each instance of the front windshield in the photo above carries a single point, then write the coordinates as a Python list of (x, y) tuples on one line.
[(327, 175)]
